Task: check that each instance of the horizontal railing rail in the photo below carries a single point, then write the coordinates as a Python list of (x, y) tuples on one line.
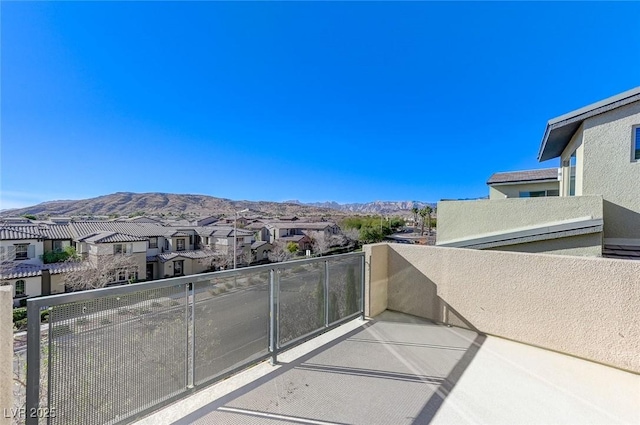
[(157, 341)]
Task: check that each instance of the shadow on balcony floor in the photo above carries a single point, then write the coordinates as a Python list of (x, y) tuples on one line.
[(396, 369)]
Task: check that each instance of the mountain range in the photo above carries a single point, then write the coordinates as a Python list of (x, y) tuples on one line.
[(169, 204)]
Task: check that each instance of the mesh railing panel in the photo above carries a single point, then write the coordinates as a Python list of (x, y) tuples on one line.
[(112, 357), (301, 301), (345, 287), (231, 323)]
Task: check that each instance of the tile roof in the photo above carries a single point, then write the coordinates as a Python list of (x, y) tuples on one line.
[(17, 269), (19, 232), (524, 176), (258, 244), (194, 255), (180, 233), (111, 237), (56, 231)]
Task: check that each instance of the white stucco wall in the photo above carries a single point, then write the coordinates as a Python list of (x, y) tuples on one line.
[(586, 307), (8, 248), (460, 219), (610, 171)]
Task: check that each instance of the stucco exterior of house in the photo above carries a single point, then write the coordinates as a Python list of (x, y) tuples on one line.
[(597, 211)]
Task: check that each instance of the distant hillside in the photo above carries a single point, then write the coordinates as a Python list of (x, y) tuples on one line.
[(125, 203), (376, 207)]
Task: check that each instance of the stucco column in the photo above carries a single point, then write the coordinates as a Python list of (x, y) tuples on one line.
[(6, 353), (376, 278)]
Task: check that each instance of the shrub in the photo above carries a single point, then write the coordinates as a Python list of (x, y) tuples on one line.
[(104, 321), (44, 316), (61, 330), (222, 290), (174, 303), (20, 325), (123, 311), (19, 314), (156, 304), (228, 285)]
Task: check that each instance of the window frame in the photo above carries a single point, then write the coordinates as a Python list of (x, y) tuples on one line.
[(18, 254), (23, 292), (183, 242), (635, 143), (153, 242), (181, 263)]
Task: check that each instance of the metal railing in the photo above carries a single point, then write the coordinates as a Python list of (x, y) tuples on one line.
[(111, 355)]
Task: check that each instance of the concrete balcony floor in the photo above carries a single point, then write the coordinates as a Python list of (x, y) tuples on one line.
[(399, 369)]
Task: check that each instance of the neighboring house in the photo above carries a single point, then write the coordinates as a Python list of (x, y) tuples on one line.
[(281, 229), (597, 211), (524, 184), (302, 241), (260, 251)]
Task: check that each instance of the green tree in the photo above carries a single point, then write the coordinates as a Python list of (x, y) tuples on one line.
[(292, 247), (429, 210), (351, 297), (30, 216), (370, 234), (415, 212), (423, 213)]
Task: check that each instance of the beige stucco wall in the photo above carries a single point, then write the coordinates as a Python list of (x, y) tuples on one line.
[(6, 354), (586, 307), (461, 219), (589, 245), (513, 190), (375, 278), (57, 283), (609, 170)]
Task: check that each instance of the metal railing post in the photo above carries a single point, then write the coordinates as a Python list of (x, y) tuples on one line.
[(326, 293), (273, 346), (193, 336), (362, 285), (186, 334), (33, 362)]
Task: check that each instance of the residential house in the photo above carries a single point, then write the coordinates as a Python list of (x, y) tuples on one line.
[(597, 211), (524, 184)]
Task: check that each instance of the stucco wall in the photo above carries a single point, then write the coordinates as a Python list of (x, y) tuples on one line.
[(513, 190), (587, 307), (57, 283), (376, 279), (589, 245), (461, 219), (609, 170), (6, 354)]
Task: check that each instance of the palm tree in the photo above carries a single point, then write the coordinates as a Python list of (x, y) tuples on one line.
[(423, 213), (415, 211), (429, 211)]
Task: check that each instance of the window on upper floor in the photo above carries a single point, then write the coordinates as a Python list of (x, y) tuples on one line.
[(180, 245), (20, 288), (122, 248), (153, 242), (22, 251), (539, 193), (636, 142)]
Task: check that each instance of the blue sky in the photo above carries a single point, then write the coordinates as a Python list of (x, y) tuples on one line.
[(351, 102)]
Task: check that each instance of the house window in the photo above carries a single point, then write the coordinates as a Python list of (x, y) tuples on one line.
[(166, 244), (22, 251), (20, 288), (119, 248), (153, 242), (636, 143), (178, 267), (122, 275), (57, 245), (190, 239), (180, 244)]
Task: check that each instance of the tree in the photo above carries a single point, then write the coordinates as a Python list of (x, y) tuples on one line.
[(370, 234), (319, 242), (89, 274), (423, 213), (415, 212), (280, 252), (429, 211), (30, 216)]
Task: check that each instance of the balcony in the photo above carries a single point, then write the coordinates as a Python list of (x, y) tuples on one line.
[(451, 336)]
